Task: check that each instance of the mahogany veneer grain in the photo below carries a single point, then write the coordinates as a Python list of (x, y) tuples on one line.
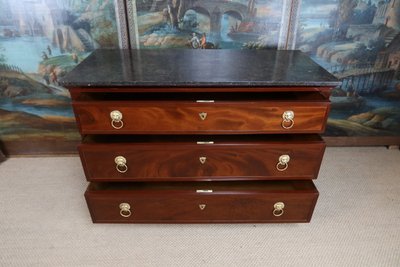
[(230, 202), (225, 160), (163, 120)]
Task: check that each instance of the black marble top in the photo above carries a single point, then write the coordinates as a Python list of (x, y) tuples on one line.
[(193, 68)]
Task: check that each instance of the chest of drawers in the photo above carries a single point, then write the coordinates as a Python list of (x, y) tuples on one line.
[(194, 136)]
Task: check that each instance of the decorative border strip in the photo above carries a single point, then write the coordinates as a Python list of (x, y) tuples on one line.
[(284, 31), (131, 13), (122, 27), (293, 24), (289, 22)]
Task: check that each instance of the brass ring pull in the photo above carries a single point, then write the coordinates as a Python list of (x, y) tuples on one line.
[(278, 209), (116, 119), (282, 164), (121, 164), (125, 210), (117, 124), (287, 119)]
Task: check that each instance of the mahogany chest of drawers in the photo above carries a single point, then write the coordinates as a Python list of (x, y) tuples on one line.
[(200, 136)]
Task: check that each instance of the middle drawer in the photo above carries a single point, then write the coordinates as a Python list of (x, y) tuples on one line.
[(201, 158)]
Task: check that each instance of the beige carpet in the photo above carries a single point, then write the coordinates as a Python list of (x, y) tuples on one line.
[(44, 222)]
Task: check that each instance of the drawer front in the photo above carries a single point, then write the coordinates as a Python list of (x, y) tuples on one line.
[(179, 162), (188, 206), (201, 118)]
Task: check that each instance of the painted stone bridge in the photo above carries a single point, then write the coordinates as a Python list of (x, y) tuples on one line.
[(215, 10)]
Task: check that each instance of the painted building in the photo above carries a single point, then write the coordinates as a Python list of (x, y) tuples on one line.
[(390, 57), (388, 13)]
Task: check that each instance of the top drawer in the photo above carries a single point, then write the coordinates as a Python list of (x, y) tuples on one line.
[(201, 114)]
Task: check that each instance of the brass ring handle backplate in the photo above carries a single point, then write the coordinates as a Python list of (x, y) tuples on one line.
[(283, 163), (278, 209), (125, 210), (287, 119), (116, 119), (121, 164)]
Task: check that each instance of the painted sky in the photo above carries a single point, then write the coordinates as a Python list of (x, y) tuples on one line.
[(320, 10)]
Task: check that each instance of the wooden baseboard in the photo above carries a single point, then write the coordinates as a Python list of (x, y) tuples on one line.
[(2, 156), (362, 140), (39, 148)]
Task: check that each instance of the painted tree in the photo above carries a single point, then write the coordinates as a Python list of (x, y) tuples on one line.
[(176, 9), (148, 5), (345, 14), (2, 56), (251, 8)]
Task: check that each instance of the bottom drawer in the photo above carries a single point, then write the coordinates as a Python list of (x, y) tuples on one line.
[(202, 202)]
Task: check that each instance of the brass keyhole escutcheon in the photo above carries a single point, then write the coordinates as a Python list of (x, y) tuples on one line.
[(203, 115), (202, 160), (202, 206)]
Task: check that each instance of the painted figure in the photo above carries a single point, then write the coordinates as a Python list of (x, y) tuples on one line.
[(46, 78), (194, 42), (49, 50), (75, 57), (203, 41), (53, 77), (44, 55)]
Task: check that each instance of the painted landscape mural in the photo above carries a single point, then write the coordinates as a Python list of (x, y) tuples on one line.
[(358, 41), (40, 41), (209, 24)]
